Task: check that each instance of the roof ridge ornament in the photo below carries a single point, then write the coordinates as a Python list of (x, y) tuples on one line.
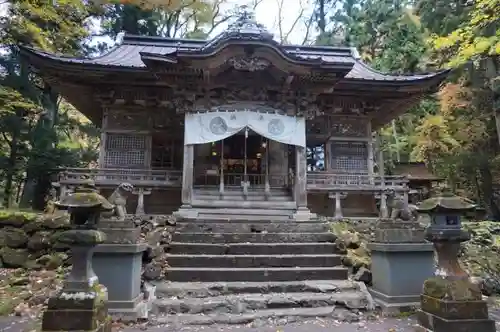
[(247, 24), (244, 27)]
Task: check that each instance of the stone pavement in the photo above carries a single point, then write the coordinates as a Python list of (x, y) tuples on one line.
[(382, 324), (313, 325), (14, 324)]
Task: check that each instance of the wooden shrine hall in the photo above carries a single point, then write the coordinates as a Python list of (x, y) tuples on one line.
[(239, 124)]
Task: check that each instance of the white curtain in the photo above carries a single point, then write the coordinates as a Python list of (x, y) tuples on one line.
[(207, 127)]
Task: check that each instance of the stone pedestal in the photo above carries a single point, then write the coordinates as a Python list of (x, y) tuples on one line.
[(82, 303), (118, 263), (453, 305), (401, 261)]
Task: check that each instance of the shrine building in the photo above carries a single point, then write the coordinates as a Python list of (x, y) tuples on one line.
[(237, 125)]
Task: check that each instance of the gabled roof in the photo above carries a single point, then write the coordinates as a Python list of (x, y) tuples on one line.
[(415, 171), (128, 54), (134, 52)]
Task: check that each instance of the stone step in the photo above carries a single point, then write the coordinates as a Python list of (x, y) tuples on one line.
[(331, 312), (244, 217), (245, 220), (244, 303), (253, 237), (245, 261), (310, 248), (208, 274), (208, 289), (231, 191), (251, 198), (243, 207), (252, 227)]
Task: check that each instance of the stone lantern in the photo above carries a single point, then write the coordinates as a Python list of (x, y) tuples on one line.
[(450, 301), (82, 303)]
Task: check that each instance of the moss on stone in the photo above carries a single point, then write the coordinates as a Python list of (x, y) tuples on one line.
[(453, 290), (85, 237), (85, 199), (16, 218), (14, 257), (446, 202), (101, 293)]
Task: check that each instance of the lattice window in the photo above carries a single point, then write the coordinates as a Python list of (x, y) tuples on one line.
[(125, 150), (349, 157)]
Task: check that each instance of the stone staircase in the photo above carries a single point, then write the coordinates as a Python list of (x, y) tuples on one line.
[(235, 272), (233, 205)]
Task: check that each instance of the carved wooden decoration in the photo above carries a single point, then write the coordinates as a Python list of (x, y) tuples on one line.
[(248, 63)]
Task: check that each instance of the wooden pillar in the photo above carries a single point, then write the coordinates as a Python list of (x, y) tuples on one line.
[(328, 157), (102, 145), (140, 192), (380, 157), (187, 175), (221, 170), (370, 161), (267, 185), (384, 211), (301, 178)]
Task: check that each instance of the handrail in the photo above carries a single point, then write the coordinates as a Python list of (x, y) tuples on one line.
[(116, 175), (325, 180), (211, 177)]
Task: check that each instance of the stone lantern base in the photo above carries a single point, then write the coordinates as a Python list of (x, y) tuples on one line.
[(401, 261), (73, 312), (118, 264), (453, 305)]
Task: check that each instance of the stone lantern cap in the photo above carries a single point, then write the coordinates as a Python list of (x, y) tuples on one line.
[(85, 196), (446, 201)]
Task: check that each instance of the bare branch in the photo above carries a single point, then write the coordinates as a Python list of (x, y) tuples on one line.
[(216, 12), (297, 19), (309, 25), (255, 3), (279, 24)]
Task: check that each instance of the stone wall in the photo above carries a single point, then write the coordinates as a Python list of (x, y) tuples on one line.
[(28, 240)]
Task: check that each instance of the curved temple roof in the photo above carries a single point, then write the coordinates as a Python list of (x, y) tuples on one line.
[(134, 51)]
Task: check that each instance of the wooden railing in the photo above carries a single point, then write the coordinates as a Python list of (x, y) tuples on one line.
[(236, 179), (326, 181), (114, 176), (316, 181)]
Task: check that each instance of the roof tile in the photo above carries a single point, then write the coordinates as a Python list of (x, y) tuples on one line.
[(128, 55)]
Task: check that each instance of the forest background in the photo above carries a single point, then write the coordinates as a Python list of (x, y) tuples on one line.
[(456, 132)]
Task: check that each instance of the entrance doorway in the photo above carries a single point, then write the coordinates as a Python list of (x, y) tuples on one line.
[(239, 158)]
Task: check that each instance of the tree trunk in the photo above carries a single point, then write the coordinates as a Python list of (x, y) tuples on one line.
[(321, 17), (10, 172), (487, 189), (42, 142)]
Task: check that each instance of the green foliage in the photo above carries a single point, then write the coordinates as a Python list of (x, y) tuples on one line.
[(190, 19), (31, 120), (477, 36), (455, 133), (39, 131), (56, 28)]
